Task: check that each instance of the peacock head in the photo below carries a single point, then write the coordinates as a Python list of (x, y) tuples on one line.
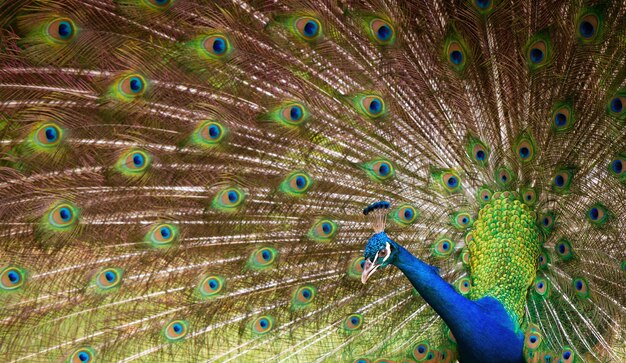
[(380, 251)]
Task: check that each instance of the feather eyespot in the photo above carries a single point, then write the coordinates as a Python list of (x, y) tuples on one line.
[(544, 260), (463, 285), (447, 356), (82, 355), (421, 351), (63, 216), (382, 31), (134, 163), (568, 355), (529, 196), (361, 360), (162, 235), (370, 105), (228, 199), (132, 86), (562, 117), (546, 221), (303, 297), (588, 27), (442, 247), (355, 269), (211, 286), (525, 147), (477, 151), (448, 180), (562, 180), (159, 5), (598, 215), (353, 322), (48, 135), (209, 133), (12, 278), (291, 114), (109, 278), (456, 57), (537, 52), (484, 195), (461, 220), (61, 30), (297, 183), (617, 105), (480, 152), (483, 6), (451, 181), (541, 287), (581, 287), (323, 230), (504, 177), (563, 249), (617, 167), (175, 330), (532, 340), (380, 170), (263, 258), (216, 46), (308, 28), (262, 324), (405, 214), (465, 257)]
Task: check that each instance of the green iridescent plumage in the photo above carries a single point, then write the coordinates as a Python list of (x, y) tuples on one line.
[(505, 239)]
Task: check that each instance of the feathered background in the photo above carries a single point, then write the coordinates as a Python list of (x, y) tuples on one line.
[(183, 180)]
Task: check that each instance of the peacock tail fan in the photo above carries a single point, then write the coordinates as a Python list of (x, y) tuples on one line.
[(183, 180)]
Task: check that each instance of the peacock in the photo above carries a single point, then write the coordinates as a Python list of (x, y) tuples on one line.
[(230, 181)]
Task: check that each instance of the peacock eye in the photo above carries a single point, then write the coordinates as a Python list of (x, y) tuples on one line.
[(61, 30), (382, 253), (381, 31), (308, 28), (215, 46)]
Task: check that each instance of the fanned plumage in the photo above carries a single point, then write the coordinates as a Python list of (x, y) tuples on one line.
[(183, 180)]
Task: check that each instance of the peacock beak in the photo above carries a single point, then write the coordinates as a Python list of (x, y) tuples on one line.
[(368, 270)]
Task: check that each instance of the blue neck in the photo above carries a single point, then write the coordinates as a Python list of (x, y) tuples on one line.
[(438, 293), (483, 330)]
